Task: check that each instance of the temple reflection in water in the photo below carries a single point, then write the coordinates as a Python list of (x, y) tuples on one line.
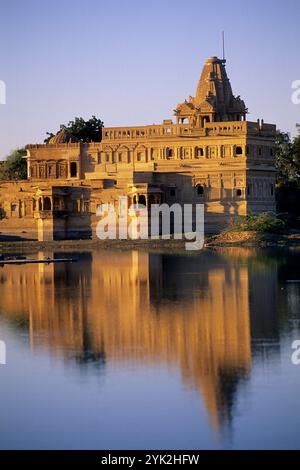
[(206, 316)]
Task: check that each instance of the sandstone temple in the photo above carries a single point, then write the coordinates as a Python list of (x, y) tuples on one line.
[(211, 155)]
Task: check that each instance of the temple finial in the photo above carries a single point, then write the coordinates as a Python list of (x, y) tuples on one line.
[(223, 45)]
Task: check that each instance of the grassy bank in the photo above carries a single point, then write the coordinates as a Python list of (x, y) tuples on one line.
[(264, 229), (252, 238)]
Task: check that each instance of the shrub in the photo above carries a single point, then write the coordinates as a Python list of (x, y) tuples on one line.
[(264, 222)]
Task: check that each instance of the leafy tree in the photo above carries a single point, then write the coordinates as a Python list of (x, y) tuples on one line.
[(288, 159), (84, 131), (15, 166)]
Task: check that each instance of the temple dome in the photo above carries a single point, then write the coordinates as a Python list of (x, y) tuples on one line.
[(63, 136)]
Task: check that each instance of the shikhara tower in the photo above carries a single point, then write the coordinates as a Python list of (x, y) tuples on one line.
[(214, 100)]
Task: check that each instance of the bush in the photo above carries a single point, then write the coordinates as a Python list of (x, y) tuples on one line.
[(264, 222)]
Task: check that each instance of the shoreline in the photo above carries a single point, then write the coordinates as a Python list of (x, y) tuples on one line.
[(225, 239), (255, 239), (87, 245)]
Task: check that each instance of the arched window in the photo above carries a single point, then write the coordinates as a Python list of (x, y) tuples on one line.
[(199, 152), (170, 153), (200, 190), (239, 192), (142, 199), (239, 150), (47, 204), (73, 169)]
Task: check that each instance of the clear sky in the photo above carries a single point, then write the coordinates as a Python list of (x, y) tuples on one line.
[(130, 62)]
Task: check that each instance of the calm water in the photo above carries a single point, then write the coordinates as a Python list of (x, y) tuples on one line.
[(135, 350)]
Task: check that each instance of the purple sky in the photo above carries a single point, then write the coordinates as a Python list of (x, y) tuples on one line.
[(131, 62)]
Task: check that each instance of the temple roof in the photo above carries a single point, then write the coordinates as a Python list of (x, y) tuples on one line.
[(63, 136), (214, 94), (186, 107), (214, 85)]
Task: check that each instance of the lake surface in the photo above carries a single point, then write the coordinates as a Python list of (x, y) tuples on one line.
[(129, 350)]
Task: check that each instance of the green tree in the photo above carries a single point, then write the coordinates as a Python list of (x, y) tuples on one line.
[(84, 131), (15, 166), (288, 159), (296, 153)]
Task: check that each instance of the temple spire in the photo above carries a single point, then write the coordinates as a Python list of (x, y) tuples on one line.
[(214, 100)]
